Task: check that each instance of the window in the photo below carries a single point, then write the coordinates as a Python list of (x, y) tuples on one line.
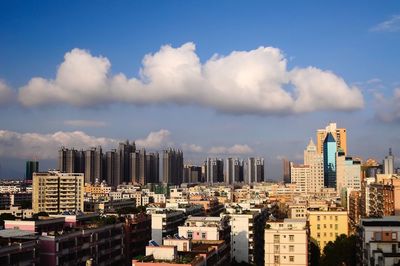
[(291, 258), (276, 248), (394, 236), (318, 226), (291, 237), (318, 235), (190, 234), (331, 226), (276, 259), (203, 235), (291, 248), (336, 218), (324, 225), (336, 226), (318, 218), (276, 238)]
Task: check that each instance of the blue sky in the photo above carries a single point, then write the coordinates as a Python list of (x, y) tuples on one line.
[(351, 42)]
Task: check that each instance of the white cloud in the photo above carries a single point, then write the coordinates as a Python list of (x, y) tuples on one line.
[(390, 25), (388, 109), (156, 139), (6, 94), (235, 149), (191, 147), (243, 82), (45, 146), (85, 123)]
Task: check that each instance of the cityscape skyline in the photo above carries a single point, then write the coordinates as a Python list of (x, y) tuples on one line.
[(46, 104)]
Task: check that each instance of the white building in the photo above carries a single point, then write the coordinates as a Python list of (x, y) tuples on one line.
[(380, 241), (348, 173), (300, 175), (164, 223), (316, 163), (286, 243)]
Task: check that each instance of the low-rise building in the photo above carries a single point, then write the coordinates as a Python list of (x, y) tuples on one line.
[(379, 241)]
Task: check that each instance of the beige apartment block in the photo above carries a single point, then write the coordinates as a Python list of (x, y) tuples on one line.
[(339, 134), (55, 192), (286, 243)]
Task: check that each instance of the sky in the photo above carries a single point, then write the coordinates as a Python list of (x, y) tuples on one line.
[(213, 78)]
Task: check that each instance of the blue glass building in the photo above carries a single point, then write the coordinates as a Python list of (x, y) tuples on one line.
[(330, 149)]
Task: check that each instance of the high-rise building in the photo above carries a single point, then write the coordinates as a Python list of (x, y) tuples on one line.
[(139, 167), (215, 170), (348, 173), (93, 165), (316, 163), (172, 166), (192, 174), (124, 150), (330, 161), (112, 161), (388, 163), (71, 160), (30, 168), (339, 134), (300, 175), (286, 170), (234, 170), (254, 170), (153, 167), (55, 192)]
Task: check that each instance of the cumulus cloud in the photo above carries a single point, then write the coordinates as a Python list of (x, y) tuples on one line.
[(390, 25), (191, 147), (243, 82), (85, 123), (6, 94), (388, 109), (235, 149), (45, 146), (156, 139)]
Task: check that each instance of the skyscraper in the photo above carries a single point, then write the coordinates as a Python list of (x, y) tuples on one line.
[(286, 170), (139, 167), (71, 160), (172, 166), (330, 161), (124, 150), (191, 174), (234, 170), (30, 168), (254, 170), (315, 162), (388, 163), (111, 170), (339, 134), (93, 165), (215, 170), (153, 167)]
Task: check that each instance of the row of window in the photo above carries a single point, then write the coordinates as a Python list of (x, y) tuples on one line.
[(277, 238), (330, 226), (277, 259), (330, 217)]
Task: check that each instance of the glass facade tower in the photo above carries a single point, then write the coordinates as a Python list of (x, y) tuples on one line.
[(330, 161)]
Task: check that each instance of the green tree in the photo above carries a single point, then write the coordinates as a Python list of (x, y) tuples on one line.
[(340, 252), (315, 254)]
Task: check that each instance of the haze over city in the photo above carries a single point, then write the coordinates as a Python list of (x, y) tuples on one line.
[(214, 79)]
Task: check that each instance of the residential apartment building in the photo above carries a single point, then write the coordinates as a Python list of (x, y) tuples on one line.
[(379, 241), (164, 223), (172, 167), (315, 162), (286, 242), (384, 196), (325, 226), (55, 192)]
